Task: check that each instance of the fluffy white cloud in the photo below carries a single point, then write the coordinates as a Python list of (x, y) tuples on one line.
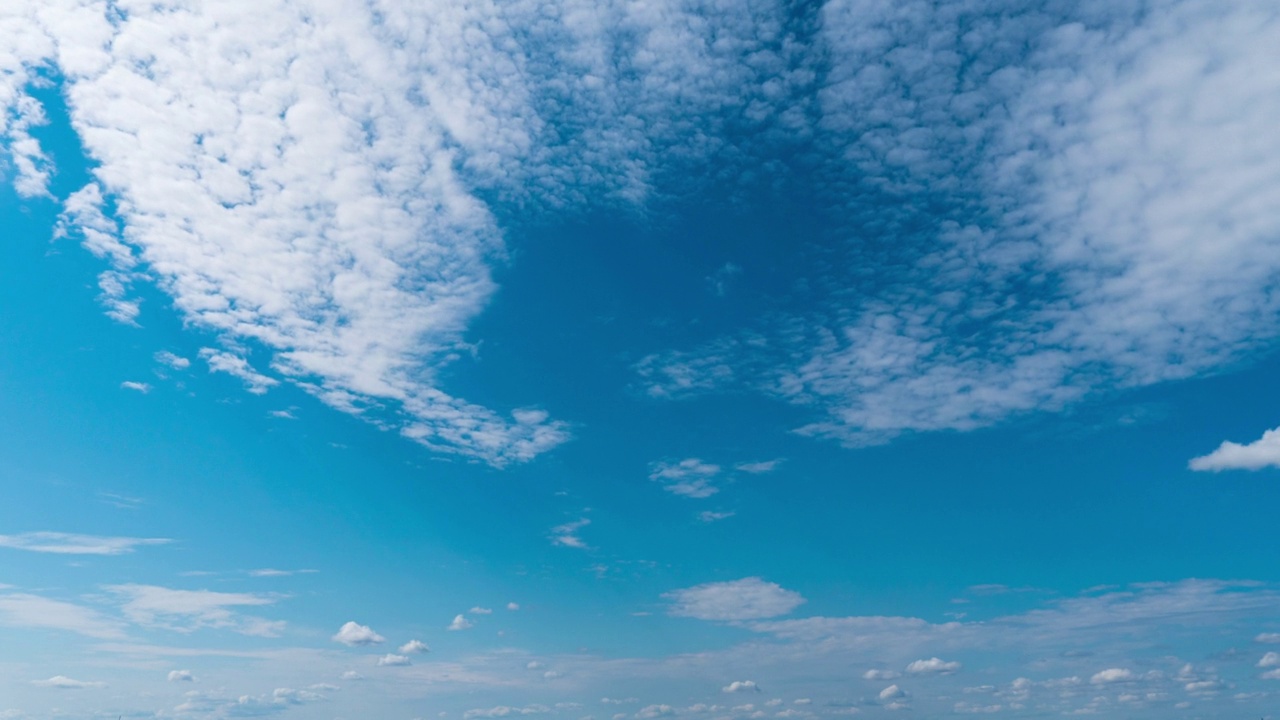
[(932, 666), (414, 647), (1271, 659), (481, 611), (177, 362), (505, 711), (891, 693), (1267, 638), (188, 610), (354, 634), (181, 676), (391, 660), (513, 606), (758, 468), (1261, 453), (741, 686), (1112, 675), (708, 516), (72, 544), (878, 674), (136, 386), (746, 599), (63, 682), (460, 622)]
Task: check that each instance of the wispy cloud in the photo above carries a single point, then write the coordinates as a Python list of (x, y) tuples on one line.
[(23, 610), (566, 535), (73, 544), (188, 610), (690, 477), (141, 387), (62, 682)]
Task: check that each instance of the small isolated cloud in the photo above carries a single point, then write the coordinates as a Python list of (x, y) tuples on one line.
[(654, 711), (1261, 453), (1267, 638), (480, 611), (690, 477), (351, 675), (720, 280), (710, 516), (236, 366), (273, 572), (1111, 675), (892, 692), (741, 686), (181, 676), (567, 535), (513, 606), (746, 599), (136, 386), (933, 666), (62, 682), (414, 647), (353, 634), (71, 544), (460, 622), (876, 674), (1271, 659), (177, 362), (390, 660), (282, 415), (758, 468)]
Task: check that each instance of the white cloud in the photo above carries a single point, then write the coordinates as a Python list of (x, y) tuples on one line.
[(741, 686), (758, 468), (181, 676), (1267, 638), (1112, 675), (746, 599), (274, 572), (32, 611), (513, 606), (649, 712), (188, 610), (354, 634), (892, 692), (391, 660), (877, 674), (690, 477), (708, 516), (932, 666), (505, 711), (414, 647), (177, 362), (1261, 453), (480, 611), (351, 675), (1271, 674), (236, 366), (72, 544), (136, 386), (63, 682), (567, 534), (460, 622), (1271, 659)]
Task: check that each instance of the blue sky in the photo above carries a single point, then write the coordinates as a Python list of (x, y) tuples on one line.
[(634, 360)]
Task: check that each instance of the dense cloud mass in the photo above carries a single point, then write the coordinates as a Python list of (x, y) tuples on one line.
[(304, 179)]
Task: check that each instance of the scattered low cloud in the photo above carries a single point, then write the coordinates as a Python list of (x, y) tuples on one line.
[(24, 610), (746, 599), (73, 544), (481, 611), (414, 647), (878, 674), (460, 622), (513, 606), (274, 572), (502, 711), (741, 686), (391, 660), (177, 362), (690, 477), (1261, 453), (1271, 659), (566, 535), (758, 468), (891, 693), (136, 386), (353, 634), (1267, 638), (1111, 675), (62, 682), (709, 516), (181, 676), (225, 362), (933, 666)]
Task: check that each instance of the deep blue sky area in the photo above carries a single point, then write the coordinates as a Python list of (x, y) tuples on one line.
[(639, 360)]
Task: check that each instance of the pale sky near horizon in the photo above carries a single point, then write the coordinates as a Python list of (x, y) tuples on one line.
[(698, 359)]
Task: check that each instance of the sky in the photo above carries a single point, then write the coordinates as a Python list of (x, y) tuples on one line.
[(639, 359)]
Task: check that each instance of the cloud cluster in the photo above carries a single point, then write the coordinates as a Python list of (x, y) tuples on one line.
[(746, 599)]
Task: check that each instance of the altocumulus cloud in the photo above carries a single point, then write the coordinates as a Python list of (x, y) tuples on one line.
[(746, 599)]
